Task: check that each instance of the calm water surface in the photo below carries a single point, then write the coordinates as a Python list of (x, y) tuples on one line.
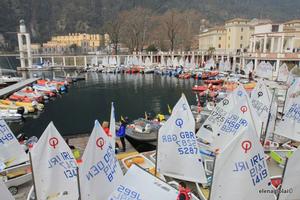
[(75, 112)]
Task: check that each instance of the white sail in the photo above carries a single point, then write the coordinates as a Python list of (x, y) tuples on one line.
[(223, 113), (105, 61), (169, 62), (261, 98), (222, 66), (112, 126), (290, 185), (227, 66), (141, 63), (4, 192), (175, 62), (264, 70), (11, 152), (138, 184), (135, 60), (54, 167), (162, 61), (241, 171), (210, 63), (177, 146), (292, 75), (100, 172), (181, 61), (187, 62), (248, 68), (293, 92), (289, 126), (148, 62), (283, 73), (240, 117)]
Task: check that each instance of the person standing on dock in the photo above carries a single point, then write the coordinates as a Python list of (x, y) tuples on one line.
[(105, 126), (122, 132)]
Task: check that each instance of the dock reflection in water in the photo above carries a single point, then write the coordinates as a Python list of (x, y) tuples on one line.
[(88, 100)]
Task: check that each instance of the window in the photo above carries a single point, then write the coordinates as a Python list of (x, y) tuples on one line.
[(219, 45), (229, 30), (219, 38), (228, 37), (228, 45), (241, 45), (242, 29), (241, 37)]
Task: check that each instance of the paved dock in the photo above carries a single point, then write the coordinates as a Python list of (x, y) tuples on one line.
[(17, 86)]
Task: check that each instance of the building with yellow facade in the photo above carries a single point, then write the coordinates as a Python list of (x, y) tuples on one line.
[(75, 42), (232, 37)]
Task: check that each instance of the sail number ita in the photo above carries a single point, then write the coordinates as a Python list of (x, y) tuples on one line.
[(186, 142)]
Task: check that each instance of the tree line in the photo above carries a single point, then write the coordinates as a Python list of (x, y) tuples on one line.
[(140, 28)]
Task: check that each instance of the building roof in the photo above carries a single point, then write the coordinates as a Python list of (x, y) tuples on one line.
[(294, 21), (237, 20)]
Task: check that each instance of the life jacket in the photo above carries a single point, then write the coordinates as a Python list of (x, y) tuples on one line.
[(184, 194)]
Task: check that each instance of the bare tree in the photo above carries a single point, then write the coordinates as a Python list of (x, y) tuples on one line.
[(136, 28), (113, 28), (171, 22)]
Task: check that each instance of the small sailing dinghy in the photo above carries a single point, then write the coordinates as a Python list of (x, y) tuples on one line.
[(15, 168)]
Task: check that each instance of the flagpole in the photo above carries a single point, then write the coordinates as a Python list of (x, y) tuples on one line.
[(155, 173), (283, 174), (78, 183), (284, 102), (32, 173), (262, 131), (212, 177)]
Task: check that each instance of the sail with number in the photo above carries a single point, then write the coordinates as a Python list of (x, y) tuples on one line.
[(240, 117), (283, 73), (138, 184), (289, 126), (54, 167), (241, 170), (100, 172), (261, 99), (222, 115), (11, 152), (290, 184), (178, 153), (292, 93)]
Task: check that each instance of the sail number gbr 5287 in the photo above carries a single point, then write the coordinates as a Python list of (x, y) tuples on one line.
[(186, 142)]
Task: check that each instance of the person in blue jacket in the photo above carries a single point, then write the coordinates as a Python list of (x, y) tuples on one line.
[(122, 132)]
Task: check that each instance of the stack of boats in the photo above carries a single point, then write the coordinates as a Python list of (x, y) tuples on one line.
[(30, 99)]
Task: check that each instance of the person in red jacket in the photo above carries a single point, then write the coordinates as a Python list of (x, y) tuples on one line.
[(105, 126), (184, 192)]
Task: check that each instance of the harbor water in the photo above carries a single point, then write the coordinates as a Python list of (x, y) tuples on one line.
[(133, 95)]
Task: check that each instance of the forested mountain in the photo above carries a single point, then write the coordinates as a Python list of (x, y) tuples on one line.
[(45, 18)]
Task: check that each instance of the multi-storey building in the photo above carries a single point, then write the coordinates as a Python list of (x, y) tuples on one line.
[(81, 42)]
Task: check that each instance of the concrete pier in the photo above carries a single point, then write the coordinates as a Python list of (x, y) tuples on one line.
[(15, 87)]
